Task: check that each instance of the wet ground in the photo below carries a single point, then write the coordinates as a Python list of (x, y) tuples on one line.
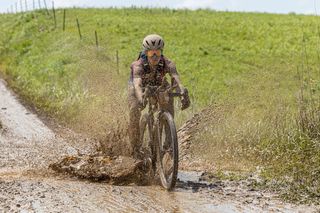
[(28, 147)]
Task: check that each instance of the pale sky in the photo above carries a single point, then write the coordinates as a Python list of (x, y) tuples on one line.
[(270, 6)]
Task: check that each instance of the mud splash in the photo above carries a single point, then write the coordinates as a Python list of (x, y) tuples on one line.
[(117, 170)]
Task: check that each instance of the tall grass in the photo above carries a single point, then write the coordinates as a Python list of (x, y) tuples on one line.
[(283, 137)]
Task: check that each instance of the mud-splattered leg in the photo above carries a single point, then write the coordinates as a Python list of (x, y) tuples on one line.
[(134, 118)]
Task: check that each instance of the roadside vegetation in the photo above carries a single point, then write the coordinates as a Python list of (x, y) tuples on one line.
[(258, 72)]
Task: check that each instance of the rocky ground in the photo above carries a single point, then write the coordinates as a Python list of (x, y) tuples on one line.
[(27, 184)]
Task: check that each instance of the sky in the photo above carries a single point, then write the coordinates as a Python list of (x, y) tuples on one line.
[(270, 6)]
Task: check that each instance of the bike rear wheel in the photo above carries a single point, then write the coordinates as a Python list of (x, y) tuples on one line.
[(167, 150)]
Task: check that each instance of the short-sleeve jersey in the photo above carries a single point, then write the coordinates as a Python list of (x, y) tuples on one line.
[(141, 69)]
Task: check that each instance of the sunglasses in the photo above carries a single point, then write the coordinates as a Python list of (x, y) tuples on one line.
[(150, 53)]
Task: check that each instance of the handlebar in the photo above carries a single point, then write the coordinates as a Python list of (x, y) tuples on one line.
[(157, 89)]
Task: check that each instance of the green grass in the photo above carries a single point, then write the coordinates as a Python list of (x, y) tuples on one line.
[(216, 53), (251, 66)]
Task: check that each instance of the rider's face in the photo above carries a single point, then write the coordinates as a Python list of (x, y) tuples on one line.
[(153, 56)]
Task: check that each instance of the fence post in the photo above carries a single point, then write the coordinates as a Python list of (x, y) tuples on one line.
[(45, 6), (64, 20), (21, 8), (54, 15), (79, 29), (96, 35), (117, 58)]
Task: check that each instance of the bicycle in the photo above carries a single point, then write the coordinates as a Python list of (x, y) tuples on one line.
[(158, 131)]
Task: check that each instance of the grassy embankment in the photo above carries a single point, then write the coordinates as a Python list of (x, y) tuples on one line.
[(253, 67)]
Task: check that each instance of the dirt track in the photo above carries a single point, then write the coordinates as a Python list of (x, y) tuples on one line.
[(28, 146)]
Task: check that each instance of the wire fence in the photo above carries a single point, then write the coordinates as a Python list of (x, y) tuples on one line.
[(30, 6), (23, 6)]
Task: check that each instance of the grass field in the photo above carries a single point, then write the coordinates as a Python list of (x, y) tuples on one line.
[(250, 68)]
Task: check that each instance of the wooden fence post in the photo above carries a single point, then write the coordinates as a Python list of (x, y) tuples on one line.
[(117, 58), (54, 15), (45, 6), (96, 35), (79, 29), (64, 20), (21, 8)]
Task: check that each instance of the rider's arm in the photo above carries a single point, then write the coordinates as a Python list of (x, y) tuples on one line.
[(136, 70), (185, 97), (137, 83), (177, 79), (175, 75)]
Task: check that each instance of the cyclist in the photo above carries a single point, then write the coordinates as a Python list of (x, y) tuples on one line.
[(150, 69)]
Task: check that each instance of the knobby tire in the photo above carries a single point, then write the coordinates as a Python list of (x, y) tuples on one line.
[(166, 119)]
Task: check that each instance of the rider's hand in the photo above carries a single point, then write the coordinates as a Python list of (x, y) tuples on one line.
[(185, 101)]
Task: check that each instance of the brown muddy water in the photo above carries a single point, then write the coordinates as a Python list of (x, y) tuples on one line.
[(28, 147)]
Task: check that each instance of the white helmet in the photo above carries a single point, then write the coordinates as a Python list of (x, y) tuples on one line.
[(153, 42)]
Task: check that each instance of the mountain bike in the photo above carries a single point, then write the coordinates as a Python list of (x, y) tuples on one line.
[(158, 133)]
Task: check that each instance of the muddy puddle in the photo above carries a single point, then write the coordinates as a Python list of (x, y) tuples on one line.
[(192, 180), (122, 170)]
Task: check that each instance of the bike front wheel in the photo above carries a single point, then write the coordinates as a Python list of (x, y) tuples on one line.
[(147, 140), (167, 150)]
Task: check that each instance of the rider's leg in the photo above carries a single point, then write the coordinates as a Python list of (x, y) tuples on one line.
[(134, 118)]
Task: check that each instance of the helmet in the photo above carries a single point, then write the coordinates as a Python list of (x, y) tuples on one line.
[(153, 42)]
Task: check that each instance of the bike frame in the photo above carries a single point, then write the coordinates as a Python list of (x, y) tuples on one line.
[(156, 100)]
